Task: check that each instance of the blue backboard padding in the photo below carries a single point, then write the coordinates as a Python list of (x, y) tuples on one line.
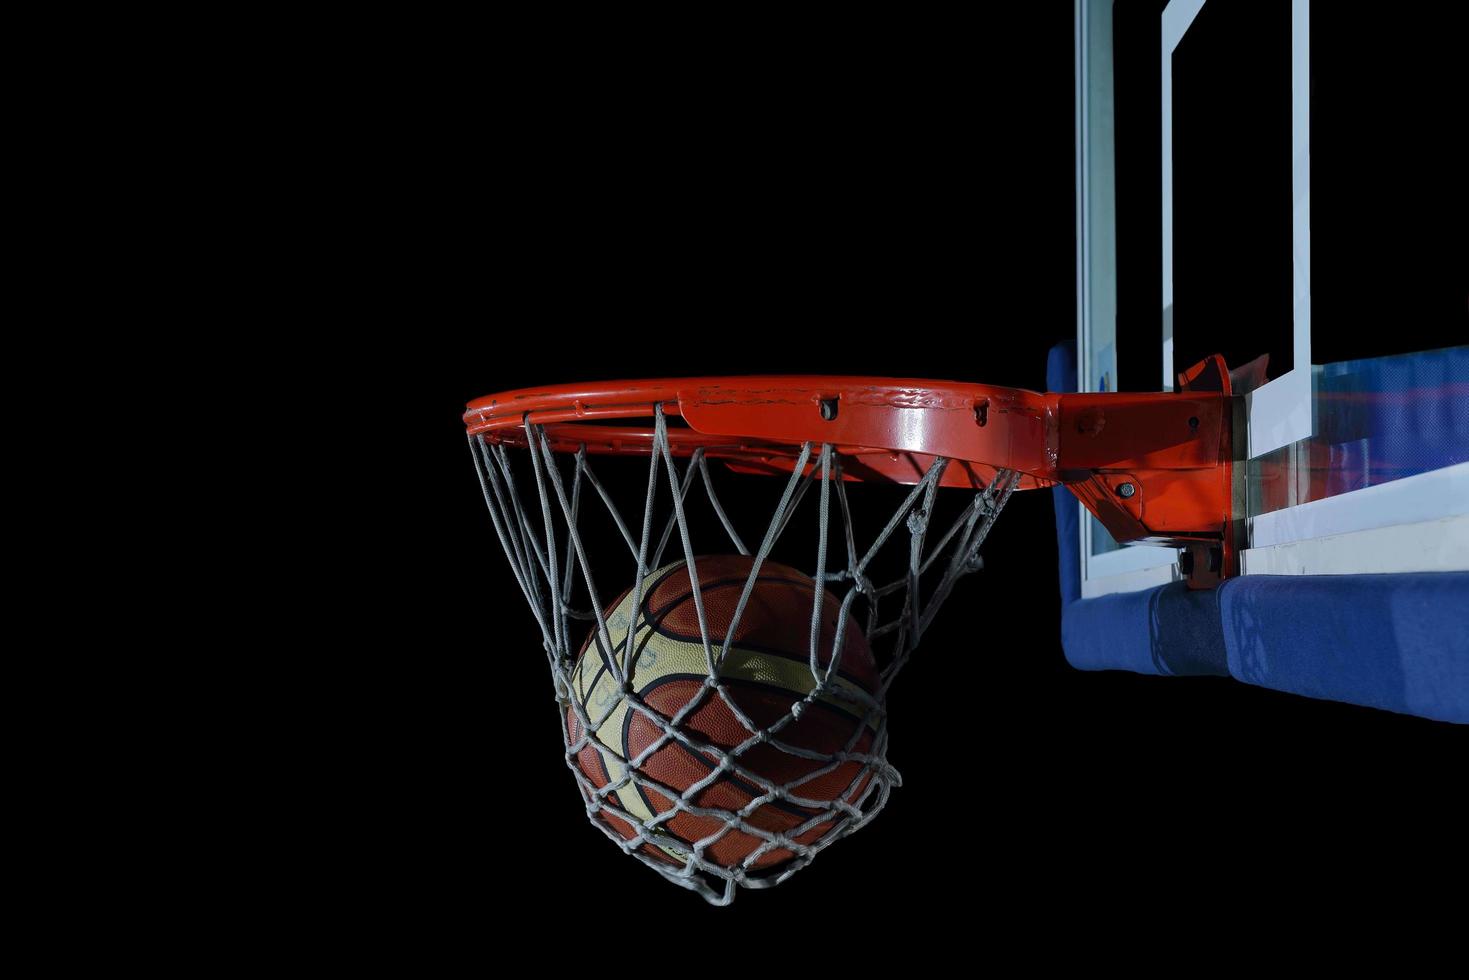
[(1386, 418), (1110, 632), (1068, 543), (1169, 630), (1398, 642), (1061, 376)]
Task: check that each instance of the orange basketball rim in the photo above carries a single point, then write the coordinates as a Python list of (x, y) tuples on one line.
[(1152, 467)]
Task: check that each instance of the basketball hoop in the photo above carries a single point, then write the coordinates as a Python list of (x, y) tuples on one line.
[(674, 782)]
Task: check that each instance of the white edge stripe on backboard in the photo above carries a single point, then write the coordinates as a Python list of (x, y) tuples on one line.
[(1144, 578), (1431, 546), (1411, 500)]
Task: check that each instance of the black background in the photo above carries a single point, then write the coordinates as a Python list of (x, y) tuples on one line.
[(901, 214)]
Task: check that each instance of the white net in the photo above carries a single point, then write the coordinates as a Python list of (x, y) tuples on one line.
[(544, 533)]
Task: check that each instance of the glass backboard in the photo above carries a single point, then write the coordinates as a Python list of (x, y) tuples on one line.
[(1265, 181)]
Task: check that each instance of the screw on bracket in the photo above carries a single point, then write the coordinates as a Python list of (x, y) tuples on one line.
[(1126, 490)]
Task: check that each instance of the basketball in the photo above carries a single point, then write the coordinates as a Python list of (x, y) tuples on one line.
[(765, 672)]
